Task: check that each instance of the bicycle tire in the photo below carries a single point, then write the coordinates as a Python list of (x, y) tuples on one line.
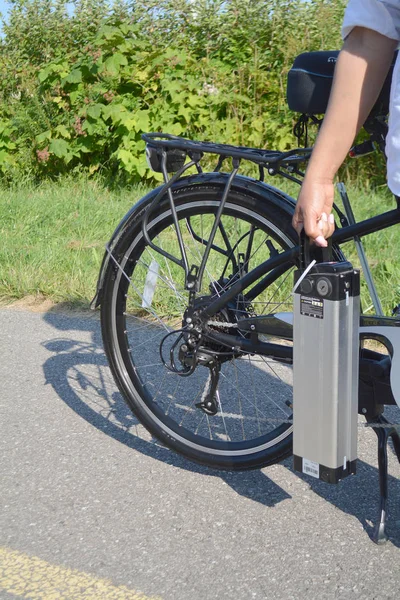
[(132, 333)]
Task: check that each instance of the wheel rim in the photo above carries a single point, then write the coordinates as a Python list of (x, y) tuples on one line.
[(253, 391)]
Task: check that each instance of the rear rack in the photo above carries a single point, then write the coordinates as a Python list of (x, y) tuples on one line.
[(167, 154), (273, 160)]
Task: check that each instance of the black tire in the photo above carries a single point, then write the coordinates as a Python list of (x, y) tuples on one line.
[(252, 427)]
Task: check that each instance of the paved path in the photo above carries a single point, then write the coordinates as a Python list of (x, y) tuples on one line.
[(86, 490)]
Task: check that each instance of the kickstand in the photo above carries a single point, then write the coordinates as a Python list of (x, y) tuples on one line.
[(383, 433)]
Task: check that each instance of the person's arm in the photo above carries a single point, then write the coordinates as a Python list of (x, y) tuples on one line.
[(360, 72)]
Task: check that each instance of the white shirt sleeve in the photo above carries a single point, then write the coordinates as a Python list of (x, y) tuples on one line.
[(378, 15), (382, 16)]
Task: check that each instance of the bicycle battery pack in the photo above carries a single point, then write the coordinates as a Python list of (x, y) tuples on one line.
[(325, 371)]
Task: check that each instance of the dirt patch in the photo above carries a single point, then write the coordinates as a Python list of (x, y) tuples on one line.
[(32, 303), (42, 304)]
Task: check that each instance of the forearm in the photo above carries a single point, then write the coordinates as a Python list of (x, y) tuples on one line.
[(360, 72)]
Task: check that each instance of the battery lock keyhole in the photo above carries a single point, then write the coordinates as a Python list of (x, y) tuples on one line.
[(324, 287)]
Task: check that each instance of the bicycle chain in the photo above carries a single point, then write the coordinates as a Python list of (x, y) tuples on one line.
[(223, 324)]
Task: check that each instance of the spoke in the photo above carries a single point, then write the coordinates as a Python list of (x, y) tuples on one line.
[(148, 324), (222, 413), (149, 339), (132, 285), (249, 245), (209, 427), (246, 264), (149, 366), (172, 396), (254, 394), (203, 416), (254, 406), (231, 416), (170, 281), (169, 284), (199, 394), (159, 387), (225, 377), (276, 291), (239, 399), (269, 365)]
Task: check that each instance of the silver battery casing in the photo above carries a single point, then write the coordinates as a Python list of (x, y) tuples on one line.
[(325, 372)]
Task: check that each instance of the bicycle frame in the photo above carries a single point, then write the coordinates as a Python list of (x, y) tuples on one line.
[(287, 165), (343, 234), (383, 329)]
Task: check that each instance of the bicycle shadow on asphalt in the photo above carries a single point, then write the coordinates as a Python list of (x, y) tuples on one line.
[(78, 372)]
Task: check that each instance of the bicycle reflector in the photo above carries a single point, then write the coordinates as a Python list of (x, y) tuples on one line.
[(325, 370)]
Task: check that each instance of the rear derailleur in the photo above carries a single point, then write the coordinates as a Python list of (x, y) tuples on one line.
[(194, 347), (209, 400)]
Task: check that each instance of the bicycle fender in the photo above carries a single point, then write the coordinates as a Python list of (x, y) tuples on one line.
[(260, 190)]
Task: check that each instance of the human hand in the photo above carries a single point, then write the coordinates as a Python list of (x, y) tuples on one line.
[(313, 210)]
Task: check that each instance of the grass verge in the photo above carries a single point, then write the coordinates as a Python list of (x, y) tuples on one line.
[(53, 239)]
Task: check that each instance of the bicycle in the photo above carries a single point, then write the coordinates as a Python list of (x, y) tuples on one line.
[(195, 294)]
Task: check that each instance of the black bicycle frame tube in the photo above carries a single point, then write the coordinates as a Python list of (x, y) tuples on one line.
[(215, 226), (167, 188), (266, 281), (372, 225), (344, 234), (238, 287), (278, 351)]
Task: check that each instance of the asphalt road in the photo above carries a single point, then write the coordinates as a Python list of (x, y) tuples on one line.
[(93, 507)]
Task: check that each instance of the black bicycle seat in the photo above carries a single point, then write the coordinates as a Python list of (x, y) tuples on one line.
[(310, 80)]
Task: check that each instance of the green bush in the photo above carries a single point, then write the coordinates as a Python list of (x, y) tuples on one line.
[(78, 90)]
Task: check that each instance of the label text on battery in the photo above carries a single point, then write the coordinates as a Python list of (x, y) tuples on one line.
[(312, 307), (310, 468)]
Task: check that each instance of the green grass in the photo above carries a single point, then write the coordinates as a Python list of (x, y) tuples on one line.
[(53, 237)]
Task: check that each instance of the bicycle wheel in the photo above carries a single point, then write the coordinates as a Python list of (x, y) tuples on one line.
[(144, 300)]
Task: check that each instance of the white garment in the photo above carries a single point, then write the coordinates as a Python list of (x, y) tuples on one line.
[(383, 17)]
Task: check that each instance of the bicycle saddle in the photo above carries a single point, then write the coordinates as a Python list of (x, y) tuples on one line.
[(309, 84)]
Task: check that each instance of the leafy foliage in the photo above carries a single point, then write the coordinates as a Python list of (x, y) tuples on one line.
[(78, 90)]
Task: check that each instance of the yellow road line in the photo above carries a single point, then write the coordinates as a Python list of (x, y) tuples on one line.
[(34, 578)]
